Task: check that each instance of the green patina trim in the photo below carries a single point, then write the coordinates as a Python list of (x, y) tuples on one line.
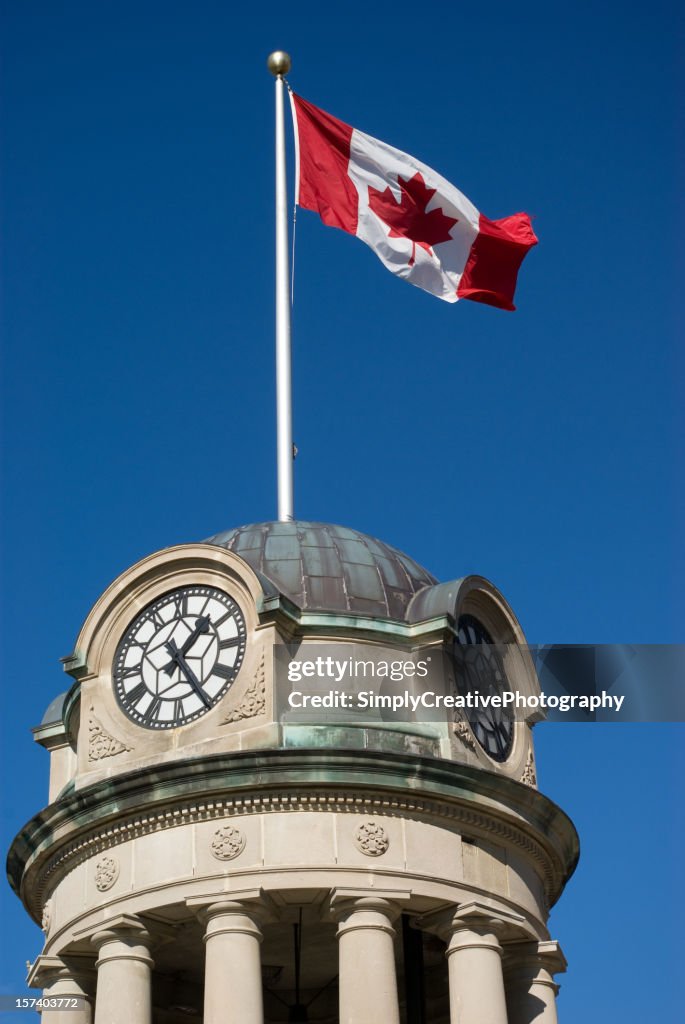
[(74, 664), (277, 605), (436, 731), (70, 703), (355, 736), (384, 627), (225, 775), (47, 732)]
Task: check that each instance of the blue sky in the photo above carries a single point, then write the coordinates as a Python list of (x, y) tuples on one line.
[(541, 449)]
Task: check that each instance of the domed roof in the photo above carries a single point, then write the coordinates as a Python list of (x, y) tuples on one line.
[(322, 567), (55, 709)]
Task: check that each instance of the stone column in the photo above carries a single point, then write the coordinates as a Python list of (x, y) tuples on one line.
[(531, 989), (233, 967), (124, 967), (65, 981), (474, 958), (367, 975)]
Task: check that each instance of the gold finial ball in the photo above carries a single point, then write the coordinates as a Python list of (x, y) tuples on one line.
[(279, 62)]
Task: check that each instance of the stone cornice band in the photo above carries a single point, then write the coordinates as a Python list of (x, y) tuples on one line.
[(113, 811)]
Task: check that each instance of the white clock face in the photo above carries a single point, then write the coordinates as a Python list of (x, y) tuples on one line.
[(179, 657)]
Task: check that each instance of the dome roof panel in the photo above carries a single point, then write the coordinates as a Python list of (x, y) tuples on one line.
[(54, 710), (324, 567)]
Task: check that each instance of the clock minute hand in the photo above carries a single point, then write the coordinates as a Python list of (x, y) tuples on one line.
[(178, 659), (201, 626)]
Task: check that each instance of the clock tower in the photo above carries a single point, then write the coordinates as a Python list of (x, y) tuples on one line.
[(205, 854)]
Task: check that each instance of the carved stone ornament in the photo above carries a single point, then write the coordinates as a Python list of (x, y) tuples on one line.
[(106, 873), (372, 839), (529, 778), (47, 916), (100, 742), (227, 843), (463, 730), (254, 700)]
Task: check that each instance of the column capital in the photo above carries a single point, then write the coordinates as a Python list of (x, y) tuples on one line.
[(476, 917), (127, 928), (75, 968), (531, 957), (344, 901), (124, 937), (255, 903)]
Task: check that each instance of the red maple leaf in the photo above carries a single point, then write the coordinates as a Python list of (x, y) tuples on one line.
[(408, 218)]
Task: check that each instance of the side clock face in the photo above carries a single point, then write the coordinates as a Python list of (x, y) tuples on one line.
[(179, 657), (480, 668)]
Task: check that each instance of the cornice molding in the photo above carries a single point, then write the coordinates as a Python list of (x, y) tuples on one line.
[(112, 812)]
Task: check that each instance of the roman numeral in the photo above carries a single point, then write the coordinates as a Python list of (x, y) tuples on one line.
[(153, 710), (134, 695), (230, 613), (132, 670), (224, 671), (157, 619), (225, 644), (181, 603), (178, 710)]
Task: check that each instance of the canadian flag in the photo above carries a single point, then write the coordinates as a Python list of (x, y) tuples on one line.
[(422, 228)]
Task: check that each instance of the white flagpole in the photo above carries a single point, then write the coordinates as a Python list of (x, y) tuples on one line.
[(279, 65)]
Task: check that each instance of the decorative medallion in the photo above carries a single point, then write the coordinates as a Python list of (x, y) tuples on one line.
[(100, 742), (254, 701), (106, 873), (372, 839), (47, 916), (227, 843), (529, 778), (463, 731)]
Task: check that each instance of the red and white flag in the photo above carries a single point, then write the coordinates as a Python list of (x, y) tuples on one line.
[(422, 228)]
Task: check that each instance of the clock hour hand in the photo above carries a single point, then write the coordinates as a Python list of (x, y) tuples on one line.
[(178, 659), (201, 626)]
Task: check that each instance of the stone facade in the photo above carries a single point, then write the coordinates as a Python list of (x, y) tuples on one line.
[(245, 870)]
